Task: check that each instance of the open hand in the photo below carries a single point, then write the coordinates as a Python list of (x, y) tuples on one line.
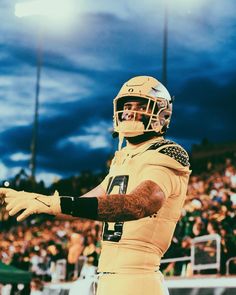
[(31, 203)]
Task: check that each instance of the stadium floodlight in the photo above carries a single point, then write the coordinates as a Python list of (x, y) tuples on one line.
[(60, 10)]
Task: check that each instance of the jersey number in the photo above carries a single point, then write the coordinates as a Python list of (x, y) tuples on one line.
[(114, 233)]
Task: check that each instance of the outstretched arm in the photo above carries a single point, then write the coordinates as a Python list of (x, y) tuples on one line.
[(146, 199)]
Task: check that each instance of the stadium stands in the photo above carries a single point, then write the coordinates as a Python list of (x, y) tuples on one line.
[(41, 243)]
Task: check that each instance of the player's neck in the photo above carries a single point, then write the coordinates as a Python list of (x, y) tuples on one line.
[(140, 139)]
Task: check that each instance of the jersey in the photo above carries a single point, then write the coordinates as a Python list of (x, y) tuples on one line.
[(137, 246)]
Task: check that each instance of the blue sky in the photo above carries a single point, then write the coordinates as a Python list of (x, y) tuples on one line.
[(86, 61)]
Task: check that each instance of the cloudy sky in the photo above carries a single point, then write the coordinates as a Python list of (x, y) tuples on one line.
[(89, 55)]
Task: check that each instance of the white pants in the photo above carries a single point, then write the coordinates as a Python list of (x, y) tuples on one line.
[(132, 284)]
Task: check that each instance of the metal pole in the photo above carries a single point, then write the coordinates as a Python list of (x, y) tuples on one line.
[(165, 46), (36, 109)]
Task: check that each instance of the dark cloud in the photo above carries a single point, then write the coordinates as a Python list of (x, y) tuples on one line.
[(51, 155), (83, 70), (205, 110)]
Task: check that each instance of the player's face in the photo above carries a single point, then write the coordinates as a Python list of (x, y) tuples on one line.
[(133, 110)]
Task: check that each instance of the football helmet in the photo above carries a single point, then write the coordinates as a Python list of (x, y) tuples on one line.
[(155, 116)]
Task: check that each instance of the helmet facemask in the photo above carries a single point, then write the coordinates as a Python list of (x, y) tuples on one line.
[(153, 111), (154, 117)]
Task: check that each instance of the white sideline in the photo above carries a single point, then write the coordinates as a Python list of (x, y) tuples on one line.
[(83, 286), (201, 282)]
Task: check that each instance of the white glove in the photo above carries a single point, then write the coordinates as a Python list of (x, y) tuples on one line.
[(31, 203)]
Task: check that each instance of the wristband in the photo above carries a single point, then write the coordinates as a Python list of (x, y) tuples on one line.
[(80, 207)]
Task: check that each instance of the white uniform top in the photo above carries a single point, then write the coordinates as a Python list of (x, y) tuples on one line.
[(137, 246)]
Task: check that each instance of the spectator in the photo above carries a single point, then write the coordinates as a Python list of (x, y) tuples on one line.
[(75, 249), (36, 287)]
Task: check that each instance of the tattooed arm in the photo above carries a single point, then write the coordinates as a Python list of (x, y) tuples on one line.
[(143, 201), (146, 199)]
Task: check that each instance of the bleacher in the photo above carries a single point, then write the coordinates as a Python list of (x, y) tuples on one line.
[(203, 245)]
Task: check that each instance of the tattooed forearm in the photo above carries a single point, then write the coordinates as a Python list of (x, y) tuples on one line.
[(143, 201)]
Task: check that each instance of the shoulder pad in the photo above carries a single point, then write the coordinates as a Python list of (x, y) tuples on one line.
[(176, 152), (160, 143), (173, 150)]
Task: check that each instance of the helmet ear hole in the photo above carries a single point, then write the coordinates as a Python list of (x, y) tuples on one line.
[(156, 126), (162, 121)]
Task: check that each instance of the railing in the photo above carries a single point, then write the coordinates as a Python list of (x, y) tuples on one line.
[(177, 259), (227, 264), (205, 253)]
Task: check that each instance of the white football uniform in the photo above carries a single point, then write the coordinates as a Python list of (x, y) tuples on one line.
[(132, 250)]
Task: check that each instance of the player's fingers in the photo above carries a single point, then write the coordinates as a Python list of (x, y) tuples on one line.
[(9, 206), (15, 209), (12, 202), (9, 200), (12, 194), (24, 215), (15, 205), (3, 191)]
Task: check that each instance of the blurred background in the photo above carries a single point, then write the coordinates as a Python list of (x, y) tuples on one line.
[(61, 65)]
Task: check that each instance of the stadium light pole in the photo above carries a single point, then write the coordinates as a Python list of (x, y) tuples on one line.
[(165, 45), (58, 10), (165, 36), (36, 108), (19, 12)]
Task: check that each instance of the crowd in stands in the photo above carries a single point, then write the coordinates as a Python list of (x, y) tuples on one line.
[(40, 241), (210, 208)]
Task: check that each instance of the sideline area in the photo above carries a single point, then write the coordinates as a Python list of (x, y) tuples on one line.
[(176, 285)]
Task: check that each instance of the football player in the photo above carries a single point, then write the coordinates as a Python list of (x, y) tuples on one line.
[(139, 201)]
